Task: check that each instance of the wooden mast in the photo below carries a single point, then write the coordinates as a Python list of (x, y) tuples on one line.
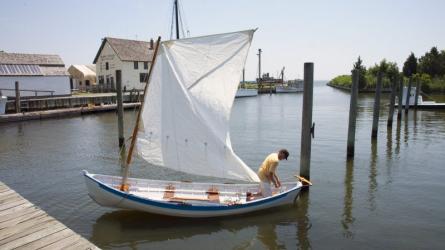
[(124, 185), (177, 21)]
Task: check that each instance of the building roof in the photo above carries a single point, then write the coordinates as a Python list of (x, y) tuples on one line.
[(30, 59), (128, 50), (18, 64)]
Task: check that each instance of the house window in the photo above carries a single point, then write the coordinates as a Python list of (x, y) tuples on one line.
[(136, 65), (101, 79), (108, 80), (143, 77), (145, 65), (80, 83), (87, 82), (107, 67)]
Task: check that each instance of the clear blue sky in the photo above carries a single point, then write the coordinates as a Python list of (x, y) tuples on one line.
[(329, 33)]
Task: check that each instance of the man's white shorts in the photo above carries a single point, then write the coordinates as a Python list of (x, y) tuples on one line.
[(266, 189)]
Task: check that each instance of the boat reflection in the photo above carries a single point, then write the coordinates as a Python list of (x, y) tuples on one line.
[(134, 229)]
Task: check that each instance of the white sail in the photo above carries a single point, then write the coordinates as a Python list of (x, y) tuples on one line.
[(185, 118)]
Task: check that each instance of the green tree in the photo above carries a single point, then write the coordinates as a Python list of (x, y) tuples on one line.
[(410, 65), (362, 72), (433, 63)]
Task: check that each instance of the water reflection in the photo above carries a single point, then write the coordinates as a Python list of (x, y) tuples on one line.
[(399, 125), (347, 217), (133, 229), (373, 175), (303, 221)]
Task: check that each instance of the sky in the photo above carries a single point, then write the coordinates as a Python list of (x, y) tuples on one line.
[(331, 34)]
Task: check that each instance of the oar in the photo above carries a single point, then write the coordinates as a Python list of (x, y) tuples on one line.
[(302, 179)]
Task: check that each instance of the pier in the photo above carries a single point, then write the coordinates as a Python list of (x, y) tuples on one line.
[(23, 225)]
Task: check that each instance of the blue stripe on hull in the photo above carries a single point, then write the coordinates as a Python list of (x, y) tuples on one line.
[(187, 207)]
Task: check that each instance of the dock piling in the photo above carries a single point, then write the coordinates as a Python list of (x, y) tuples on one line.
[(375, 120), (306, 124), (417, 93), (352, 114), (399, 105), (17, 97), (408, 94), (392, 101), (120, 108)]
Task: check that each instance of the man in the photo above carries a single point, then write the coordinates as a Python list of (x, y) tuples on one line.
[(267, 174)]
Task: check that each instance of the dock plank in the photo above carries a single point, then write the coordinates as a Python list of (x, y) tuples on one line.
[(25, 226), (48, 240)]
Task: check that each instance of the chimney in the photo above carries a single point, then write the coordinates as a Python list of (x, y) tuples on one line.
[(151, 43)]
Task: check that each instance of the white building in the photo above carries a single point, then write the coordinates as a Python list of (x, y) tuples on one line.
[(132, 57), (38, 75), (83, 77)]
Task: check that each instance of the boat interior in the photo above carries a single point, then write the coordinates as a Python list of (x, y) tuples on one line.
[(192, 192)]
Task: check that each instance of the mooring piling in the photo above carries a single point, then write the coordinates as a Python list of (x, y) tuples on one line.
[(120, 108), (375, 120), (352, 114), (399, 105), (17, 97), (306, 124), (417, 93), (392, 101), (408, 94)]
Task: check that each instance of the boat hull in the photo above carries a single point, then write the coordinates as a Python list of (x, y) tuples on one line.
[(107, 195)]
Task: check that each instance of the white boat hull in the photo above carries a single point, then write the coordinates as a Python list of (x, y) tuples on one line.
[(246, 92), (282, 89), (103, 189)]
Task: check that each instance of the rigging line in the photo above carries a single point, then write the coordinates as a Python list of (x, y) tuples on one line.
[(172, 21), (185, 18), (180, 22)]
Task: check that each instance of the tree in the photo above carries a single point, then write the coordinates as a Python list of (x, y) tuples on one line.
[(432, 63), (362, 72), (410, 65)]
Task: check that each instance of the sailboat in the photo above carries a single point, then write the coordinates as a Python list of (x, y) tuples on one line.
[(183, 124)]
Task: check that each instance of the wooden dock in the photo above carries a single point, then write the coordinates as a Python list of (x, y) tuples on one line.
[(60, 113), (25, 226)]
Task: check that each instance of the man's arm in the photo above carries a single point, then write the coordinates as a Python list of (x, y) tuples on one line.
[(277, 181), (274, 179)]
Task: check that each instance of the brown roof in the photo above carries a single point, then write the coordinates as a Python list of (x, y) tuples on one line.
[(34, 59), (128, 50), (54, 71)]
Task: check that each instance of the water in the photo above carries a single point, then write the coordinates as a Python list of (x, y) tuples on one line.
[(391, 196)]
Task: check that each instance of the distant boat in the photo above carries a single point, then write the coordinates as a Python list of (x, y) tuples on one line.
[(295, 86), (421, 104), (183, 124), (243, 92)]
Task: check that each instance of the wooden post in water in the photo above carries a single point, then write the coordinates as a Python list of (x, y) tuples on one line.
[(392, 101), (408, 94), (17, 97), (306, 121), (120, 108), (352, 114), (375, 119), (399, 105), (417, 93)]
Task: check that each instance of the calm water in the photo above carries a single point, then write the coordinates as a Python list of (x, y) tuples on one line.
[(391, 196)]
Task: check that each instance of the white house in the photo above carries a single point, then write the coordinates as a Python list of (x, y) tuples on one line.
[(38, 75), (132, 57), (83, 77)]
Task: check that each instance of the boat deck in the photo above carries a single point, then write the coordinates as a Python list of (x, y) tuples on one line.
[(25, 226)]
